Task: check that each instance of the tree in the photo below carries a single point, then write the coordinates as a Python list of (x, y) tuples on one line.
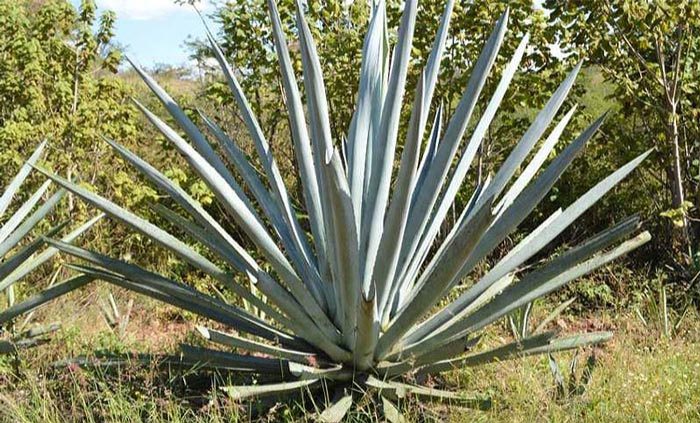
[(650, 51), (58, 83)]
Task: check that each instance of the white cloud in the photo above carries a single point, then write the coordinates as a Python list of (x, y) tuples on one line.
[(146, 9)]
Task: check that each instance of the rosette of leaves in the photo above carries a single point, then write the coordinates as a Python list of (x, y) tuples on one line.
[(22, 251), (361, 296)]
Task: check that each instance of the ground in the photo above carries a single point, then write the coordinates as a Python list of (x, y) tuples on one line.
[(641, 375)]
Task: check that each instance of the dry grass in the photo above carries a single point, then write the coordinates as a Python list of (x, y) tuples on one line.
[(640, 376)]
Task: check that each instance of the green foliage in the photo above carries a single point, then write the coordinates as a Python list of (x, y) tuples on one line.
[(55, 83), (58, 82), (677, 215), (649, 51)]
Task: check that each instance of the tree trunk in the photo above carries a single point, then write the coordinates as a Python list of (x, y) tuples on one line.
[(681, 234), (678, 196)]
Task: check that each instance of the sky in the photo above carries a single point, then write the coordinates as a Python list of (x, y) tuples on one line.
[(154, 31)]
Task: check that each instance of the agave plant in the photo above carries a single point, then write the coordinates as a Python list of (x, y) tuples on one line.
[(17, 260), (364, 298)]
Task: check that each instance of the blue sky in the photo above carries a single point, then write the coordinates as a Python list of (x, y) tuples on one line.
[(154, 31)]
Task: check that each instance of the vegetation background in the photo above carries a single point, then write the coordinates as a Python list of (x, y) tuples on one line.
[(62, 79)]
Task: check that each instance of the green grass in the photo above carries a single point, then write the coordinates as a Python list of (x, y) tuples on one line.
[(640, 376)]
